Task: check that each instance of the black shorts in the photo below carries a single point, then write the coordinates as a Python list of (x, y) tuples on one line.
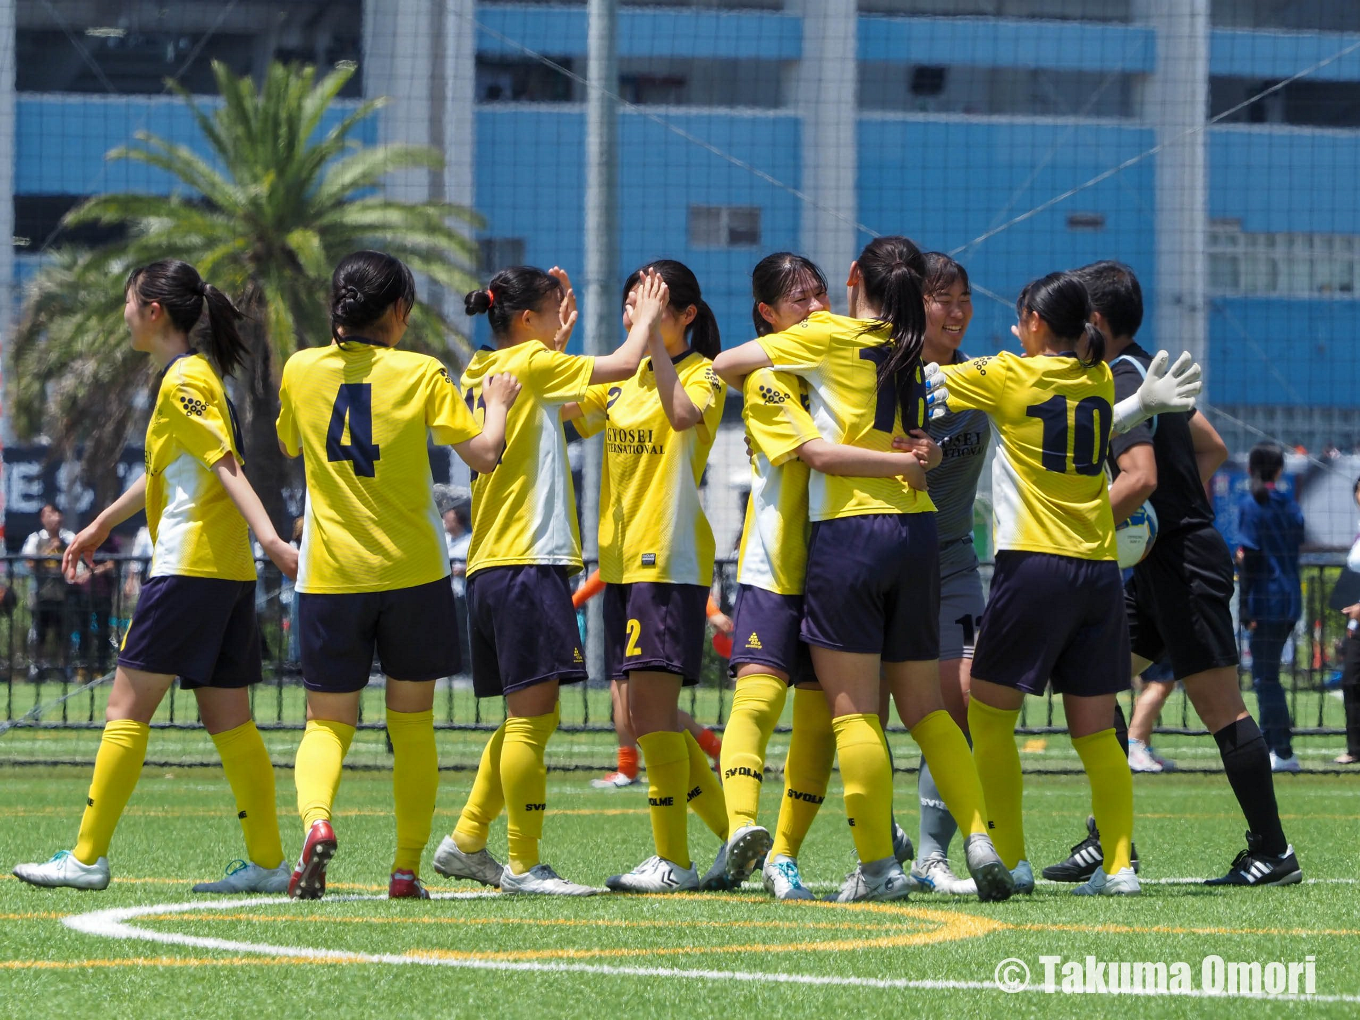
[(413, 630), (1179, 602), (200, 629), (1054, 618), (873, 586), (765, 632), (522, 629), (655, 626)]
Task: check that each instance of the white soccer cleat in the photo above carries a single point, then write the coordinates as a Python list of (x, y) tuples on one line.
[(782, 881), (656, 875), (451, 862), (248, 877), (890, 884), (1290, 764), (613, 781), (1023, 875), (993, 878), (541, 880), (1140, 757), (1122, 883), (902, 848), (933, 874), (63, 871), (747, 847)]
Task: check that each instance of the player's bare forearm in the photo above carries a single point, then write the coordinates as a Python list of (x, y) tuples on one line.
[(735, 365), (1137, 481), (680, 410), (242, 493), (836, 459), (1211, 453)]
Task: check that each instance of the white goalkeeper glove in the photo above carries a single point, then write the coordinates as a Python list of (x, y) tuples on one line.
[(937, 393), (1164, 391)]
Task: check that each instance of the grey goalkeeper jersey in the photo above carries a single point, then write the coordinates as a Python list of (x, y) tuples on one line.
[(963, 437)]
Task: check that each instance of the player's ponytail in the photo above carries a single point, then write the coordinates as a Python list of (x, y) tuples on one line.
[(366, 284), (1264, 464), (891, 270), (177, 287), (775, 277), (702, 333), (511, 291), (1062, 301)]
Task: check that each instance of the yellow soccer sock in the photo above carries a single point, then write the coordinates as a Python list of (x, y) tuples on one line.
[(867, 777), (705, 792), (1111, 795), (415, 783), (525, 781), (667, 761), (756, 707), (320, 758), (251, 776), (998, 768), (117, 767), (946, 750), (807, 771), (485, 801)]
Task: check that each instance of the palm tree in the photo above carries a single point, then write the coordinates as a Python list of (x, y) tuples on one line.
[(265, 219)]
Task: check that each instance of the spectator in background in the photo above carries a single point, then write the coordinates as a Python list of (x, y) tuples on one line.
[(1270, 532), (1350, 672), (454, 504), (92, 596), (43, 550)]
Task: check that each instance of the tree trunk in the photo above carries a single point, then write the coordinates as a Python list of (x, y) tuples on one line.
[(266, 467)]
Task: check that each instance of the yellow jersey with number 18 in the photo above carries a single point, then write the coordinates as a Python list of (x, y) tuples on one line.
[(652, 525), (361, 414), (839, 361), (774, 537), (1052, 416), (196, 530), (524, 512)]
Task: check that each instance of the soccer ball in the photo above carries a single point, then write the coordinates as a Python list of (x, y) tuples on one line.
[(1135, 536)]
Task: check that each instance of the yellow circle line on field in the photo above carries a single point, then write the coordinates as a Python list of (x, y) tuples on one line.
[(1168, 929)]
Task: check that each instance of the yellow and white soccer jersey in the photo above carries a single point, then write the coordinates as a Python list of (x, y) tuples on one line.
[(525, 511), (652, 525), (775, 535), (360, 414), (839, 362), (1053, 417), (195, 528)]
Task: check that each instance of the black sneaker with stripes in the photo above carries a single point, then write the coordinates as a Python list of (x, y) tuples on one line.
[(1086, 856), (1253, 866)]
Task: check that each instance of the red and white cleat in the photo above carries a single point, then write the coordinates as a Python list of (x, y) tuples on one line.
[(404, 885), (309, 877)]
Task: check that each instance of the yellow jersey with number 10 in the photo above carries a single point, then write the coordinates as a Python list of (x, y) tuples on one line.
[(839, 361), (196, 530), (524, 512), (774, 537), (1052, 416), (361, 414), (652, 525)]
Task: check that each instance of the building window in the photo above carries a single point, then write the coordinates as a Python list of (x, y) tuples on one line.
[(497, 253), (724, 226), (1281, 265)]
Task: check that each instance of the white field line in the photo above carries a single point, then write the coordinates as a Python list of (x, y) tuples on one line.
[(113, 923)]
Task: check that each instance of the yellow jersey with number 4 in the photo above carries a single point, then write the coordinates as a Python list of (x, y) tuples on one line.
[(1052, 417), (839, 361), (196, 530), (524, 512), (361, 415), (652, 525), (774, 537)]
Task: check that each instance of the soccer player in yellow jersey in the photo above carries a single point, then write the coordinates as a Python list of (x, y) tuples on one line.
[(871, 598), (525, 544), (374, 573), (1056, 608), (656, 558), (196, 615)]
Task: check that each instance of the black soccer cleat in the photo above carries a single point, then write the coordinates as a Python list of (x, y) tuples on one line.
[(1253, 866), (1086, 856)]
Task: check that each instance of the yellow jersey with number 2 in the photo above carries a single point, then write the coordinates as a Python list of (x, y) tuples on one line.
[(1052, 417), (652, 525), (361, 415), (839, 361), (774, 538)]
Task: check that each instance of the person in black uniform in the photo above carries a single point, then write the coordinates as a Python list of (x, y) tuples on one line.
[(1178, 598)]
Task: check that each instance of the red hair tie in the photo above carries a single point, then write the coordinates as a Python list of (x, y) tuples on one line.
[(490, 297)]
